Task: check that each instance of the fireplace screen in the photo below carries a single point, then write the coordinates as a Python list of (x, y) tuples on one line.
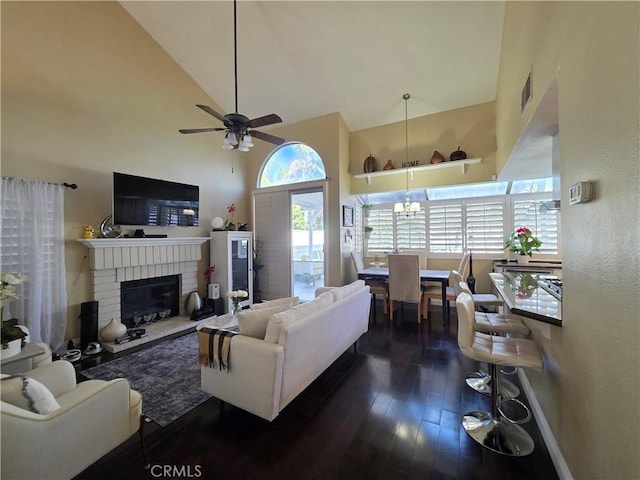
[(149, 299)]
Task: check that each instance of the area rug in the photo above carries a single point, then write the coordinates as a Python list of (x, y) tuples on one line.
[(167, 375)]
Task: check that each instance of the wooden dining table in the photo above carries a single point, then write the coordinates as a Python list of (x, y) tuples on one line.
[(441, 276)]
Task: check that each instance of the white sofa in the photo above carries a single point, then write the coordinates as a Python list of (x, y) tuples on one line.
[(265, 375)]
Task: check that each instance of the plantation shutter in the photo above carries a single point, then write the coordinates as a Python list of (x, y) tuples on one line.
[(445, 228), (272, 232), (358, 235), (544, 225), (485, 227), (381, 239), (411, 232)]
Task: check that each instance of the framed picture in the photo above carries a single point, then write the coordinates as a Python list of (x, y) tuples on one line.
[(347, 216)]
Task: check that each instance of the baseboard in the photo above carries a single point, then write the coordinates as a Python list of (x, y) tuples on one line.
[(562, 469)]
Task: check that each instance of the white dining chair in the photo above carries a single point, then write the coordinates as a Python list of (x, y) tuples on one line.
[(404, 282), (376, 286), (435, 291)]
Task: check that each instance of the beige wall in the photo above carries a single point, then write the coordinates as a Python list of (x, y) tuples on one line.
[(85, 92), (472, 128), (590, 388)]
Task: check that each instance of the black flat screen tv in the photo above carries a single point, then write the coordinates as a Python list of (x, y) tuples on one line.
[(148, 201)]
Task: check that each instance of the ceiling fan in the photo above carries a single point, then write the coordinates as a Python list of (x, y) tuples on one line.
[(236, 125)]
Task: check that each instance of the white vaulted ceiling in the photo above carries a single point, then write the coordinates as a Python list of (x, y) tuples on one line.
[(304, 59)]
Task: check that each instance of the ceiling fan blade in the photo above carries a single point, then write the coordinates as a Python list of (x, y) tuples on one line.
[(266, 137), (266, 120), (200, 130), (211, 111)]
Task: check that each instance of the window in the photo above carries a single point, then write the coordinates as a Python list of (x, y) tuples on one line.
[(291, 163), (32, 243), (484, 227), (381, 238), (410, 231), (544, 225), (447, 227), (391, 231)]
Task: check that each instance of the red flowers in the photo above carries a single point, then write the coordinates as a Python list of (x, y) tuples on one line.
[(231, 208), (522, 242)]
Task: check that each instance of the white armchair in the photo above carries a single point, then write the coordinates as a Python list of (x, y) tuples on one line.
[(94, 417)]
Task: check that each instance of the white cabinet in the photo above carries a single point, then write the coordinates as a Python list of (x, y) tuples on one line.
[(232, 254)]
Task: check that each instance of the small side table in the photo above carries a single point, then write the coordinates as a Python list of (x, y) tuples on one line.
[(22, 362)]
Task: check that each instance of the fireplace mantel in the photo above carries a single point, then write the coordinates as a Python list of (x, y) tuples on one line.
[(140, 242)]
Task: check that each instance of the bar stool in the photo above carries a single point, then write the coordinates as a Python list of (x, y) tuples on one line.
[(492, 324), (491, 429)]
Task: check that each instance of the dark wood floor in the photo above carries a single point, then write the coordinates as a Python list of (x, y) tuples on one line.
[(391, 411)]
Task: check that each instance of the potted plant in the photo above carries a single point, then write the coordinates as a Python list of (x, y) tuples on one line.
[(11, 335), (367, 231), (523, 243), (366, 209)]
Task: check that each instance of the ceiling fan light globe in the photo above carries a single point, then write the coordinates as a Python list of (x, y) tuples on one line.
[(232, 139), (247, 141), (243, 148)]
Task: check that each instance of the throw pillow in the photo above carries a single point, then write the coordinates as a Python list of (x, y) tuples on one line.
[(28, 394), (253, 322), (280, 320), (341, 292), (289, 302)]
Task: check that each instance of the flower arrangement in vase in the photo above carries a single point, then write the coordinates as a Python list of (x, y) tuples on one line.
[(231, 209), (236, 297), (523, 243)]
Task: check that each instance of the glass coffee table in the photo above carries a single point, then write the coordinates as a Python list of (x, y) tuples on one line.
[(225, 321)]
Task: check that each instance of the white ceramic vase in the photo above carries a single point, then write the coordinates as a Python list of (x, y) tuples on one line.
[(114, 329), (523, 259), (13, 348)]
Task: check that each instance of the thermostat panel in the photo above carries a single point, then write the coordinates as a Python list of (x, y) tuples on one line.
[(580, 193)]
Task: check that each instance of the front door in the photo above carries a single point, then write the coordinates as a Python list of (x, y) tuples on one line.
[(307, 242)]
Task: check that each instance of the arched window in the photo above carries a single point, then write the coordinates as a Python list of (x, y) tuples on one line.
[(291, 163)]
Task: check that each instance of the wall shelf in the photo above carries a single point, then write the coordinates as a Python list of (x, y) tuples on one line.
[(455, 163)]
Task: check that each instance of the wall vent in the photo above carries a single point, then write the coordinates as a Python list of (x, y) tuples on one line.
[(526, 92)]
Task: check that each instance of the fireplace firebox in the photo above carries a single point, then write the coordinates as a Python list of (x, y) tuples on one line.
[(149, 299)]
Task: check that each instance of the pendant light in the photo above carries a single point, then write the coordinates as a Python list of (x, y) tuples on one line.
[(408, 206)]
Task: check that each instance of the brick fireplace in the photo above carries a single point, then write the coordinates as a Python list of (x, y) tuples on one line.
[(113, 261)]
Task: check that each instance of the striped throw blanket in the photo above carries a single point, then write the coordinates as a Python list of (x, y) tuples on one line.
[(214, 346)]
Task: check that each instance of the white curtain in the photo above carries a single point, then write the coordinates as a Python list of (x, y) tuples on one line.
[(32, 233)]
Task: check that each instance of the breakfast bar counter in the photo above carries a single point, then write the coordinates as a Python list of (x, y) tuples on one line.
[(523, 295)]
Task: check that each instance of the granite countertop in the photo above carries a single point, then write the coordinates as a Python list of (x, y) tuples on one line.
[(523, 296), (532, 263)]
